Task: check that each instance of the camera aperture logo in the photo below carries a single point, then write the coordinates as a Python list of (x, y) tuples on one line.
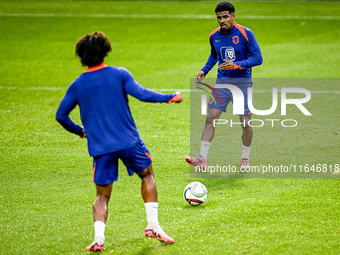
[(208, 92), (238, 104)]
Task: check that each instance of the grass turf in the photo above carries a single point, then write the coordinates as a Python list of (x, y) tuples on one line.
[(46, 192)]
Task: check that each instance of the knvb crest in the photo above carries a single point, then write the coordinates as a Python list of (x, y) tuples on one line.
[(236, 39), (229, 53)]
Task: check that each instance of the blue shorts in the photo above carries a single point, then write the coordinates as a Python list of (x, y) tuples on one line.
[(105, 167), (226, 96)]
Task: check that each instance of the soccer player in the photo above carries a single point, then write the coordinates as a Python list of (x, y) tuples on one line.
[(101, 93), (237, 51)]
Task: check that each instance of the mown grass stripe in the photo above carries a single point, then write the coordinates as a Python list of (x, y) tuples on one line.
[(163, 16)]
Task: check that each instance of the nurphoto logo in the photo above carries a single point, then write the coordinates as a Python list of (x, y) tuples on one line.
[(238, 104)]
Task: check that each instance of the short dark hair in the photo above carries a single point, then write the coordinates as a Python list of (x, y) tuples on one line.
[(93, 48), (225, 6)]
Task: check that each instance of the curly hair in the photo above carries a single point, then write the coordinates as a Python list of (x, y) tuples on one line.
[(93, 48), (225, 6)]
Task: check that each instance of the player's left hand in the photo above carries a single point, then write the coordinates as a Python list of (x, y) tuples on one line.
[(176, 99), (227, 65)]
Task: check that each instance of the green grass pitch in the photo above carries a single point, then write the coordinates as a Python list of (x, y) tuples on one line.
[(46, 189)]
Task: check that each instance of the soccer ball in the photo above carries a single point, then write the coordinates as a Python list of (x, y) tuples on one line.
[(195, 193)]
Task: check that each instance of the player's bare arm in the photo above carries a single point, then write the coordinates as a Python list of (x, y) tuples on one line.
[(227, 65)]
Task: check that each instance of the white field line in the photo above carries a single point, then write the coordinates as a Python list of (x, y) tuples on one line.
[(159, 90), (162, 16)]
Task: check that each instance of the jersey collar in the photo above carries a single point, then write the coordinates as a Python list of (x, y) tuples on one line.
[(95, 68)]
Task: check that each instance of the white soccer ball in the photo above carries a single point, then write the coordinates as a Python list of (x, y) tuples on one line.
[(195, 193)]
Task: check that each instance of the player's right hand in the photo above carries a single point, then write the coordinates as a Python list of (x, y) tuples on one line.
[(82, 134), (200, 76), (226, 65)]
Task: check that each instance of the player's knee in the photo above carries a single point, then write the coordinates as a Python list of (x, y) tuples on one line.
[(211, 119), (104, 192), (102, 198), (246, 128), (212, 116), (245, 123), (147, 173)]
